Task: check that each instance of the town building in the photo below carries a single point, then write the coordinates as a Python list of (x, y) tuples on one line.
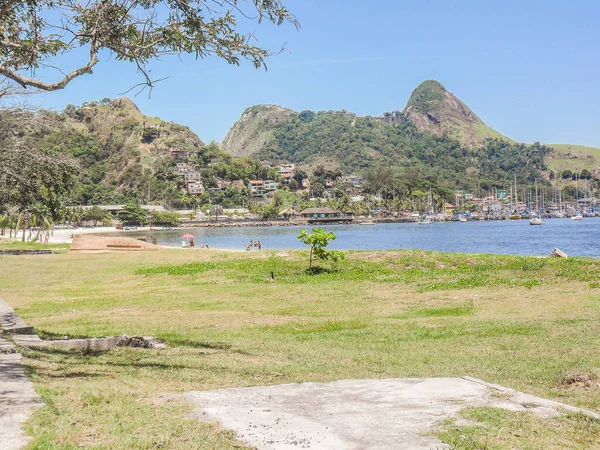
[(256, 188), (321, 215), (191, 175), (195, 187), (270, 185)]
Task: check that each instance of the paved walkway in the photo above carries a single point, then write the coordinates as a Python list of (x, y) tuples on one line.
[(356, 414), (18, 399)]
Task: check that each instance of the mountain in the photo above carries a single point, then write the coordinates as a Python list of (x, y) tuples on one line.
[(122, 153), (253, 130), (431, 108), (434, 129)]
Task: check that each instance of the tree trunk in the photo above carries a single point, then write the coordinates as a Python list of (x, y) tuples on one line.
[(310, 260)]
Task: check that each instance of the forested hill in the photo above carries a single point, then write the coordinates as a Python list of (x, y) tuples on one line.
[(121, 153), (341, 140)]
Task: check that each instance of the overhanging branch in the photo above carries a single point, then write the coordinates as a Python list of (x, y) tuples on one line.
[(31, 82)]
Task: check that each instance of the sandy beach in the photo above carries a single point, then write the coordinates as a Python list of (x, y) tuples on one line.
[(65, 236)]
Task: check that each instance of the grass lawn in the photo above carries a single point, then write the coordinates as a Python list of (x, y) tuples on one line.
[(527, 323), (15, 244), (573, 157)]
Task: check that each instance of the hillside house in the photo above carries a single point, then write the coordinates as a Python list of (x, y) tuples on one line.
[(270, 185), (286, 171), (195, 187), (256, 188), (191, 175)]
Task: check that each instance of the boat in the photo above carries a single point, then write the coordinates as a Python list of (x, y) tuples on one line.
[(427, 220), (462, 219), (536, 221), (515, 217), (368, 222), (578, 216)]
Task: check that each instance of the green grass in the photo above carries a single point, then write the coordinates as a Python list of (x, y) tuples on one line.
[(526, 323), (466, 309), (6, 244), (496, 428), (586, 157)]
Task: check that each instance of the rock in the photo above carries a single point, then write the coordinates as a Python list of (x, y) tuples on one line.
[(558, 253), (140, 342)]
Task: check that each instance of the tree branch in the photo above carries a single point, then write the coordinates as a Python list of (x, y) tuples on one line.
[(32, 82)]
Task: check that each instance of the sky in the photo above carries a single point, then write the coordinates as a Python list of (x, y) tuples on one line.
[(528, 68)]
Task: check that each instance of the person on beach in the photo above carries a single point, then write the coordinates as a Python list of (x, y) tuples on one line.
[(192, 243), (259, 245)]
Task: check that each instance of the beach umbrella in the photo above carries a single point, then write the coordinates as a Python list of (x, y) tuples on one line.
[(187, 236)]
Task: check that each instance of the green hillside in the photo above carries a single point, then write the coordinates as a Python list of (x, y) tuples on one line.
[(573, 157), (120, 152), (357, 143)]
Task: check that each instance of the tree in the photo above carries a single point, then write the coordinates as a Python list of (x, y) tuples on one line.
[(318, 240), (133, 214), (307, 116), (33, 33), (95, 214), (165, 219), (317, 189), (34, 179), (215, 211), (293, 185), (380, 179)]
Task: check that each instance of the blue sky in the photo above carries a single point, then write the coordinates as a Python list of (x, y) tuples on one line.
[(528, 68)]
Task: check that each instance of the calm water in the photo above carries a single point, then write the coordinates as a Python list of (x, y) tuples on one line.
[(576, 238)]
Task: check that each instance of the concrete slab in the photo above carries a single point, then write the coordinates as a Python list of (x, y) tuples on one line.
[(355, 414), (10, 322), (18, 400)]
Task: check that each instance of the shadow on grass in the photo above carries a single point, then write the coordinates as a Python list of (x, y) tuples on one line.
[(190, 343), (177, 342), (47, 335), (317, 270), (71, 358)]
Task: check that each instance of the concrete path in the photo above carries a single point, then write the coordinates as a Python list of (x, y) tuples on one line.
[(17, 401), (355, 414)]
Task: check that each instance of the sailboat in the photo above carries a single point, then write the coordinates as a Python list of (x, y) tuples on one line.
[(427, 220), (536, 221), (578, 214)]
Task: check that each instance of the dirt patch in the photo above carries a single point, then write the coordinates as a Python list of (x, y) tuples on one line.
[(580, 379)]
